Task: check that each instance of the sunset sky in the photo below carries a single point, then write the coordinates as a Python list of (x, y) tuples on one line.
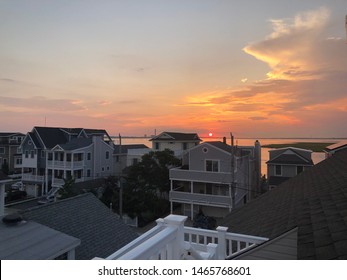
[(264, 68)]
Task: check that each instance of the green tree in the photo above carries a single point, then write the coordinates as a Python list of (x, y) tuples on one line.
[(147, 185)]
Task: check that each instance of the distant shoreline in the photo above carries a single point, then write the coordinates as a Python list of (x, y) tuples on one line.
[(313, 146)]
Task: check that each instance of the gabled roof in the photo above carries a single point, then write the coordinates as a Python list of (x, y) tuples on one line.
[(315, 201), (295, 156), (178, 136), (88, 219), (220, 145), (51, 136)]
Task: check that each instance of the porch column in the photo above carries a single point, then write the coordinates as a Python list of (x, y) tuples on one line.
[(46, 173), (221, 249), (192, 204), (177, 245), (65, 164)]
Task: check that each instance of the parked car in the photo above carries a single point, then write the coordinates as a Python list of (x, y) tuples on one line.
[(18, 186)]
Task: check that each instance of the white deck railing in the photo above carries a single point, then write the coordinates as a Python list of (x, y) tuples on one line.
[(33, 178), (201, 199), (64, 164), (170, 240)]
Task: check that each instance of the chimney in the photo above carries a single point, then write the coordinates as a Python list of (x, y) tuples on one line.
[(224, 140)]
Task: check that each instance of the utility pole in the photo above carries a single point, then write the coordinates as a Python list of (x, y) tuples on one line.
[(120, 180), (232, 172)]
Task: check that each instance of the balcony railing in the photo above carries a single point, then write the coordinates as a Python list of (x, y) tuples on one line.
[(64, 164), (200, 176), (170, 240), (201, 199), (33, 178)]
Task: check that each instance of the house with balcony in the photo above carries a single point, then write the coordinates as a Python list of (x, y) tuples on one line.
[(285, 163), (52, 154), (10, 155), (177, 142), (304, 218), (215, 178)]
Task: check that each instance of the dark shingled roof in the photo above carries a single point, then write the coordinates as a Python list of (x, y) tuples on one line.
[(88, 219), (77, 143), (276, 180), (315, 201), (51, 136), (220, 145), (290, 159), (178, 136)]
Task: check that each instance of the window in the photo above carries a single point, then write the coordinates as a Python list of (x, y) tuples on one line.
[(2, 150), (32, 153), (278, 170), (185, 146), (50, 156), (42, 154), (212, 165), (26, 154), (299, 169), (135, 161), (157, 146), (117, 158), (89, 156), (88, 172), (107, 154), (18, 161)]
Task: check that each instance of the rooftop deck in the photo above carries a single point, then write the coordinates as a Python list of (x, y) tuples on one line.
[(171, 240)]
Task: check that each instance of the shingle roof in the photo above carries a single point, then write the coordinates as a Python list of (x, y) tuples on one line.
[(35, 140), (290, 159), (220, 145), (77, 143), (315, 201), (51, 136), (88, 219), (276, 180), (290, 155), (178, 136)]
